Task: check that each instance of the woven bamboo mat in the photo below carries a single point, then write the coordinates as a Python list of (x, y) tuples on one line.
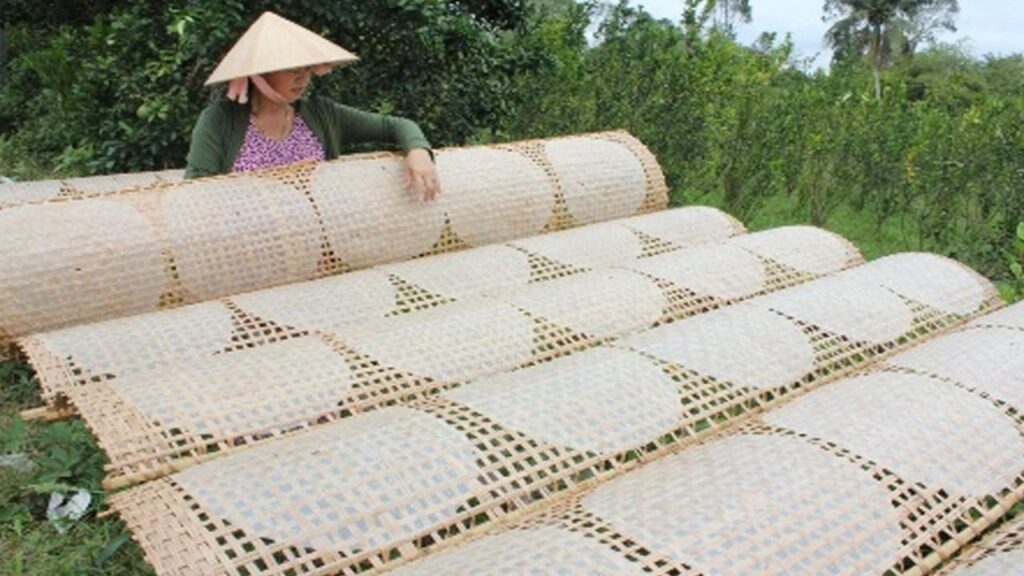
[(123, 347), (379, 487), (1000, 553), (1010, 317), (157, 421), (40, 190), (887, 471), (108, 255)]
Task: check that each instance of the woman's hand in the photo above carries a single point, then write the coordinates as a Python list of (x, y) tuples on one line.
[(421, 174)]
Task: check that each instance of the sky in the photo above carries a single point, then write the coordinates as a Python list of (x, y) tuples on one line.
[(987, 26)]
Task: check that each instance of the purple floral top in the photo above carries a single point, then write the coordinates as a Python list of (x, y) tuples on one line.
[(258, 151)]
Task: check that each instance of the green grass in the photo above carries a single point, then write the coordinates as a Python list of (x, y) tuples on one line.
[(64, 456), (19, 164), (857, 226)]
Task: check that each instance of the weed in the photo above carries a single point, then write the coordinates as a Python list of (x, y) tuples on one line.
[(61, 457), (1015, 262), (19, 388)]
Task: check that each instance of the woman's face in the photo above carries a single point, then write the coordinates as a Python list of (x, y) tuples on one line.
[(290, 83)]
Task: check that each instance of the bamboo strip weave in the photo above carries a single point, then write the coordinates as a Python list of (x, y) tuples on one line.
[(199, 240), (360, 493), (887, 471), (162, 420), (1010, 317), (40, 190), (1000, 553), (125, 347)]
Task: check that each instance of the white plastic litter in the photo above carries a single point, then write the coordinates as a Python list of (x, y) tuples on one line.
[(63, 509)]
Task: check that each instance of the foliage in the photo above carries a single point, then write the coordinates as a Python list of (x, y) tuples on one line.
[(727, 12), (121, 92), (1015, 262), (52, 14), (62, 457), (18, 385), (939, 162), (448, 68), (882, 29)]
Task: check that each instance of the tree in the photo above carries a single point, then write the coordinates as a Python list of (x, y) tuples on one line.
[(943, 73), (118, 87), (923, 25), (52, 14), (881, 29), (1004, 75), (721, 13), (728, 11), (3, 55)]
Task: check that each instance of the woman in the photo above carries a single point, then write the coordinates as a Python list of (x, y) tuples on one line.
[(278, 126)]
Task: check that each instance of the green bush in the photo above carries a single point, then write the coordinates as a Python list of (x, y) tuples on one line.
[(121, 93), (937, 163)]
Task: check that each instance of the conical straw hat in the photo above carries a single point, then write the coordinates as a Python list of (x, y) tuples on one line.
[(273, 43)]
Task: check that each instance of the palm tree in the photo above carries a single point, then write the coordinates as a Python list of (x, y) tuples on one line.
[(879, 29)]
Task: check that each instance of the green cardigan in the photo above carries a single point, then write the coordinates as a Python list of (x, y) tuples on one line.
[(220, 130)]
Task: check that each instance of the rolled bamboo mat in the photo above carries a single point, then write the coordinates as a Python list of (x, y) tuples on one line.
[(159, 421), (39, 190), (1000, 553), (109, 255), (124, 347), (377, 488), (886, 471), (1009, 317)]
